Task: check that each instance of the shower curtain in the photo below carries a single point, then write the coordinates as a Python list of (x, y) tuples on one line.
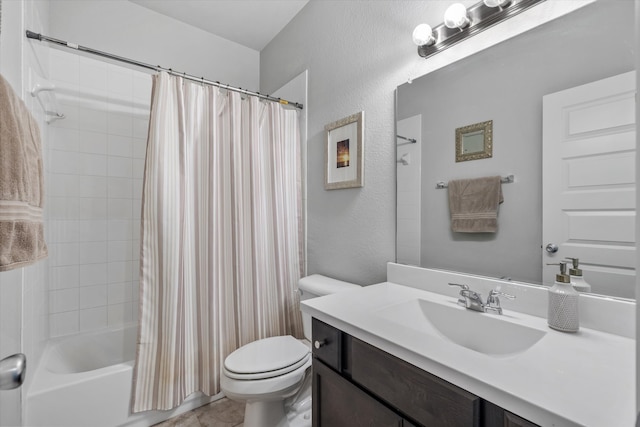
[(221, 236)]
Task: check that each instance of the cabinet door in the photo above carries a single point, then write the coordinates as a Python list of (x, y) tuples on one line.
[(338, 403), (415, 393), (495, 416), (512, 420)]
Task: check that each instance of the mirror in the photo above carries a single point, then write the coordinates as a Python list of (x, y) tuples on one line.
[(506, 84), (474, 142)]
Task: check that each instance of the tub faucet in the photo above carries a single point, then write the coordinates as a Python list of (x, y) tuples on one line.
[(472, 300)]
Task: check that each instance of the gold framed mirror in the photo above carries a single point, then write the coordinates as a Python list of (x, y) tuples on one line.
[(474, 141)]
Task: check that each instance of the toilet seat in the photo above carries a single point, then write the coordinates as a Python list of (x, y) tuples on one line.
[(266, 358)]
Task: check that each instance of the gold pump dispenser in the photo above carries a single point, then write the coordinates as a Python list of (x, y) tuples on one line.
[(575, 273), (562, 277)]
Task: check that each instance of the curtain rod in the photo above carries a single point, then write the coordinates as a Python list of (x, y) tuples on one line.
[(40, 37)]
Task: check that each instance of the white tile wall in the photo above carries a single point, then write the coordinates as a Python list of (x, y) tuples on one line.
[(96, 161)]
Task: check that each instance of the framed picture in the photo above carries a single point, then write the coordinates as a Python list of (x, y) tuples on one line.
[(344, 156), (474, 142)]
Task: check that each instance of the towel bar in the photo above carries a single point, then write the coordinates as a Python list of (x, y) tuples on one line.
[(505, 180), (411, 140), (41, 85)]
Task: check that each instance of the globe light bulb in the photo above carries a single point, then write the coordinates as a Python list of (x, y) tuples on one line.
[(456, 16), (423, 35), (496, 3)]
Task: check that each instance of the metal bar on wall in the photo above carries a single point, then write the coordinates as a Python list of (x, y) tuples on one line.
[(40, 37)]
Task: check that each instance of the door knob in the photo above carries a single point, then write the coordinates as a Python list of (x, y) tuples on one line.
[(12, 371), (552, 248)]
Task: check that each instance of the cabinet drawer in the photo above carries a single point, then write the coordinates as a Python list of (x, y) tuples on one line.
[(338, 403), (426, 398), (327, 344)]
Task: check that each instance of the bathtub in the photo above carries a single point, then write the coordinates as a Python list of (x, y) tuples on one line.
[(85, 380)]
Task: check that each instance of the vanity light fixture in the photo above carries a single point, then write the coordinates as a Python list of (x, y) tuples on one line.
[(461, 22)]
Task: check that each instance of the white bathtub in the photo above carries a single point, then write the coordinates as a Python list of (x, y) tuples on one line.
[(85, 380)]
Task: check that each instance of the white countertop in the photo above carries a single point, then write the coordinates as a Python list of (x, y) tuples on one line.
[(581, 379)]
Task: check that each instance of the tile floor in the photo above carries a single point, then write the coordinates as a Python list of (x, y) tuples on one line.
[(221, 413)]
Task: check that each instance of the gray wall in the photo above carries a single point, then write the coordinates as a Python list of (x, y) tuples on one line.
[(356, 52), (506, 84), (130, 30)]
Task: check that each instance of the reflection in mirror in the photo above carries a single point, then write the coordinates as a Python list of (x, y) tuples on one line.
[(474, 142), (509, 82)]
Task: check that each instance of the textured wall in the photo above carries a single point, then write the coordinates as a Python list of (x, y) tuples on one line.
[(357, 52)]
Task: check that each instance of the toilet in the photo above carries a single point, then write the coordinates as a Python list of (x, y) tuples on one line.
[(273, 375)]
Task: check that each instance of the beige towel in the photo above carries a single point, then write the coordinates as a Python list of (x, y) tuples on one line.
[(473, 204), (21, 183)]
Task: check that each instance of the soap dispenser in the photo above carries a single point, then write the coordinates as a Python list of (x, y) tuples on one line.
[(575, 273), (563, 303)]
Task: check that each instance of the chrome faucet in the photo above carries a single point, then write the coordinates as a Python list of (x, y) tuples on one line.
[(472, 300), (493, 302), (469, 299)]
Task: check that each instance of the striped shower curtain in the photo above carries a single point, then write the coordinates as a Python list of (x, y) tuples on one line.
[(221, 236)]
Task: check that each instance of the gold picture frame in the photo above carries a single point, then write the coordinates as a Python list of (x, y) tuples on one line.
[(344, 153), (474, 142)]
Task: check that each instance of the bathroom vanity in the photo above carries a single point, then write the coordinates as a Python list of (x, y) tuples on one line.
[(403, 353), (355, 383)]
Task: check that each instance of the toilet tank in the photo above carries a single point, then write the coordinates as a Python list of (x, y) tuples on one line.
[(317, 285)]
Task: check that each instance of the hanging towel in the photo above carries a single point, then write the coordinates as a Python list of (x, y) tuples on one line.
[(21, 183), (473, 204)]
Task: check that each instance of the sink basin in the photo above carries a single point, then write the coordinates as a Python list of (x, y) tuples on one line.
[(485, 333)]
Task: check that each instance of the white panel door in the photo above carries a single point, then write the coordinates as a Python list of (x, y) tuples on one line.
[(11, 289), (589, 182)]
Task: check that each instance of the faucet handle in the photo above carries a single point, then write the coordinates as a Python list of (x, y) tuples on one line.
[(493, 302), (461, 301), (464, 287), (494, 293)]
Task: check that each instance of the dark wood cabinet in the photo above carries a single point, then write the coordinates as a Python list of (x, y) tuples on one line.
[(428, 399), (339, 403), (356, 384), (512, 420)]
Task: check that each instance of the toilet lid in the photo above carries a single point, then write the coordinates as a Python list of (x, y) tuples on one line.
[(269, 355)]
